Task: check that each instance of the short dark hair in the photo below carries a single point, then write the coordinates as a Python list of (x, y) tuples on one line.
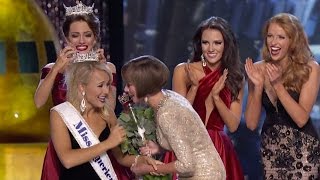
[(147, 73)]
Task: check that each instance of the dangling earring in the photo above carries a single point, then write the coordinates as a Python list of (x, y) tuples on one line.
[(83, 103), (146, 99), (204, 63)]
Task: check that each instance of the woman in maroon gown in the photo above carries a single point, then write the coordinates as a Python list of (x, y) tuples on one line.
[(81, 31), (213, 82)]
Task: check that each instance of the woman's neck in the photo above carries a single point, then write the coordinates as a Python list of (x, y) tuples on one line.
[(89, 112), (155, 99)]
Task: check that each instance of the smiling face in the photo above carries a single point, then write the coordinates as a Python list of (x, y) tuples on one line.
[(277, 42), (212, 45), (97, 89), (81, 36)]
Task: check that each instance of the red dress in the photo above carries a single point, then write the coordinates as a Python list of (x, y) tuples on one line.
[(51, 164), (215, 124)]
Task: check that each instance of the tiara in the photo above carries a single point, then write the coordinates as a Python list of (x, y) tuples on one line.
[(80, 8), (124, 98), (80, 57)]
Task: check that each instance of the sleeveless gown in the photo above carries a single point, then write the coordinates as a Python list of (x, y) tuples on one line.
[(51, 165), (215, 124), (83, 171), (288, 152)]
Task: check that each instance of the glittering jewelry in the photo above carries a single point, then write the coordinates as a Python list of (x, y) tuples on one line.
[(124, 98), (204, 63), (163, 100), (78, 9), (145, 99), (81, 57), (83, 103)]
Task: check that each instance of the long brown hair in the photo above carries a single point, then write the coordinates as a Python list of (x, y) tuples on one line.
[(230, 58)]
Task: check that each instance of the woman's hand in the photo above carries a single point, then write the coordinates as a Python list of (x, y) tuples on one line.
[(274, 73), (146, 165), (219, 85), (150, 148), (192, 77), (254, 73), (117, 136), (101, 56), (65, 56)]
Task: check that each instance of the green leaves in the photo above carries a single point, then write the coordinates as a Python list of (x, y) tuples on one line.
[(145, 117)]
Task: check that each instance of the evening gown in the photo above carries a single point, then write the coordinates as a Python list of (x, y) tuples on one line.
[(84, 171), (215, 125), (288, 152), (51, 164)]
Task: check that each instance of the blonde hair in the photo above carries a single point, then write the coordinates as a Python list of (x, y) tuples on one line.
[(80, 74), (299, 53)]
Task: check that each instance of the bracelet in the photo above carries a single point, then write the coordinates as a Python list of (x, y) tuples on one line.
[(135, 161)]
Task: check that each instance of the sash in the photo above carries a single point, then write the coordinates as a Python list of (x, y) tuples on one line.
[(85, 138)]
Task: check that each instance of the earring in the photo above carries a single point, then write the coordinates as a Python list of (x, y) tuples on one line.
[(204, 63), (83, 103), (146, 99)]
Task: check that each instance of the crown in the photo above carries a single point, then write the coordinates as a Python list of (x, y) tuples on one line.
[(81, 57), (78, 9), (124, 99)]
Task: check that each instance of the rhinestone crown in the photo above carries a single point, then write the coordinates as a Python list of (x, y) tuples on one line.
[(91, 56), (80, 8)]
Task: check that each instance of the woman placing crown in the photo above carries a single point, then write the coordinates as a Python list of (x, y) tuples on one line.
[(81, 29)]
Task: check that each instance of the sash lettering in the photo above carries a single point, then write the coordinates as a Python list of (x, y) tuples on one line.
[(83, 132)]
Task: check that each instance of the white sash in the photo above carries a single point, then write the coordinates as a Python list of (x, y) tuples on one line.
[(85, 138)]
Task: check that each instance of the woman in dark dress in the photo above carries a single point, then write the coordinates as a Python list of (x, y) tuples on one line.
[(286, 83)]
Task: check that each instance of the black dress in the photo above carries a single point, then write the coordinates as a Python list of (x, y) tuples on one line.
[(83, 171), (288, 152)]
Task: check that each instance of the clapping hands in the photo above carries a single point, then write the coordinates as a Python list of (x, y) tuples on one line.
[(220, 84), (255, 74)]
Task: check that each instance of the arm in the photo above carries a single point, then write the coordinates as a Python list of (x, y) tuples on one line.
[(299, 111), (45, 85), (72, 157), (255, 88), (232, 116), (178, 141), (181, 74)]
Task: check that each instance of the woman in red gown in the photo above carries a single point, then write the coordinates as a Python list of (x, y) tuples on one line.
[(213, 82), (81, 31)]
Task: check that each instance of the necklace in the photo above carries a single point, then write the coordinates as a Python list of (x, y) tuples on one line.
[(163, 100)]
